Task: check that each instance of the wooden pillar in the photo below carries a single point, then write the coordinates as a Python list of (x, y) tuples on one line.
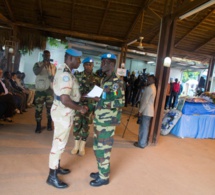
[(166, 42), (123, 55), (210, 74)]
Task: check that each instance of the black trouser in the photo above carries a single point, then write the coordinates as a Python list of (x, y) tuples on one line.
[(9, 101)]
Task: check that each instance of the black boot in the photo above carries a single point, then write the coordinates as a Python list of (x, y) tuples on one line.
[(94, 175), (54, 181), (38, 128), (62, 171), (49, 125), (99, 182)]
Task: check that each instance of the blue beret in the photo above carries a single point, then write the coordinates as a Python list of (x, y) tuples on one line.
[(88, 59), (74, 52), (108, 56)]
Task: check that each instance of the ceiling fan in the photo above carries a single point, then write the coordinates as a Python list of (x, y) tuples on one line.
[(140, 44)]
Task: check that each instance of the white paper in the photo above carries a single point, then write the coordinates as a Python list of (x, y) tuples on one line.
[(95, 92), (121, 72)]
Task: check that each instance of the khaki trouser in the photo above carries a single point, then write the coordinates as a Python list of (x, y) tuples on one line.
[(63, 120)]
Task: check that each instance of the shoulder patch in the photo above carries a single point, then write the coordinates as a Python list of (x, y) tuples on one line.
[(66, 78)]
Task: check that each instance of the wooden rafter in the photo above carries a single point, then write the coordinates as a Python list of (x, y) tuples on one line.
[(145, 6), (112, 10), (194, 27), (205, 43), (69, 32), (42, 18), (104, 16), (72, 16), (180, 11), (5, 20), (9, 10), (40, 8), (188, 6)]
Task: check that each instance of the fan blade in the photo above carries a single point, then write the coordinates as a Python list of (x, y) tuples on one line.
[(131, 42)]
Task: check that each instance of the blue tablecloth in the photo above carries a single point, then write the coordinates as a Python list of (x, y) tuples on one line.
[(202, 126), (192, 108)]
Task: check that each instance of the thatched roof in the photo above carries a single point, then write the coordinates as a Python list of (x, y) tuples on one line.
[(112, 22)]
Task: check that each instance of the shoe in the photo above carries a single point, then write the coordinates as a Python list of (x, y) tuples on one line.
[(49, 125), (82, 148), (8, 119), (54, 180), (99, 182), (137, 145), (94, 175), (76, 147), (62, 171), (38, 128), (17, 111)]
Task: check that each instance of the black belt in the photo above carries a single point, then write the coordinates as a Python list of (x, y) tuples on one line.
[(58, 98)]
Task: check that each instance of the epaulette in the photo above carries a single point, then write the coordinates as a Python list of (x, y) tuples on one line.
[(66, 70)]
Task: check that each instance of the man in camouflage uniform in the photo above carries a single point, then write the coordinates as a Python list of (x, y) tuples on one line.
[(44, 72), (67, 96), (107, 115), (87, 80)]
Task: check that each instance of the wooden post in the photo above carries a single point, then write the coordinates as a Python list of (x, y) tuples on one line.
[(210, 74), (166, 43), (123, 55)]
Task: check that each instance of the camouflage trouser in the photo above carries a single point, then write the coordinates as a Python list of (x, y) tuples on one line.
[(102, 145), (81, 125), (42, 97), (63, 120)]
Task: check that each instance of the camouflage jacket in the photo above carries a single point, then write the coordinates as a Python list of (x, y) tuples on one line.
[(86, 83), (109, 108)]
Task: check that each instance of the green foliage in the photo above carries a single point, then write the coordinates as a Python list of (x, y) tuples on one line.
[(25, 51), (189, 75), (53, 42)]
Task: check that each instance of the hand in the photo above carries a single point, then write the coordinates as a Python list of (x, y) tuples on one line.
[(83, 109), (97, 99), (83, 97)]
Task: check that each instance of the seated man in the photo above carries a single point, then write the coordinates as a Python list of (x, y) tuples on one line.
[(29, 93), (18, 98)]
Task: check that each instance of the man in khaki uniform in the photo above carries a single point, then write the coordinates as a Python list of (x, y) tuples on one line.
[(67, 95), (44, 72)]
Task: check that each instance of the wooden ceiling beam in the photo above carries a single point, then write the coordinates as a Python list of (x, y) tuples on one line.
[(111, 10), (40, 8), (72, 15), (194, 28), (178, 51), (5, 27), (188, 6), (71, 33), (180, 11), (9, 10), (205, 43), (6, 20), (146, 3), (104, 16)]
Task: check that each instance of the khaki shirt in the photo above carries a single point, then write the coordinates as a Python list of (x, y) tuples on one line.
[(65, 84)]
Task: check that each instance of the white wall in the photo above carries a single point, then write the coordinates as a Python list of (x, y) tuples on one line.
[(175, 73), (57, 54)]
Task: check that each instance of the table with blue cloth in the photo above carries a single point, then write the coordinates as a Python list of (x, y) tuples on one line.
[(197, 121)]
